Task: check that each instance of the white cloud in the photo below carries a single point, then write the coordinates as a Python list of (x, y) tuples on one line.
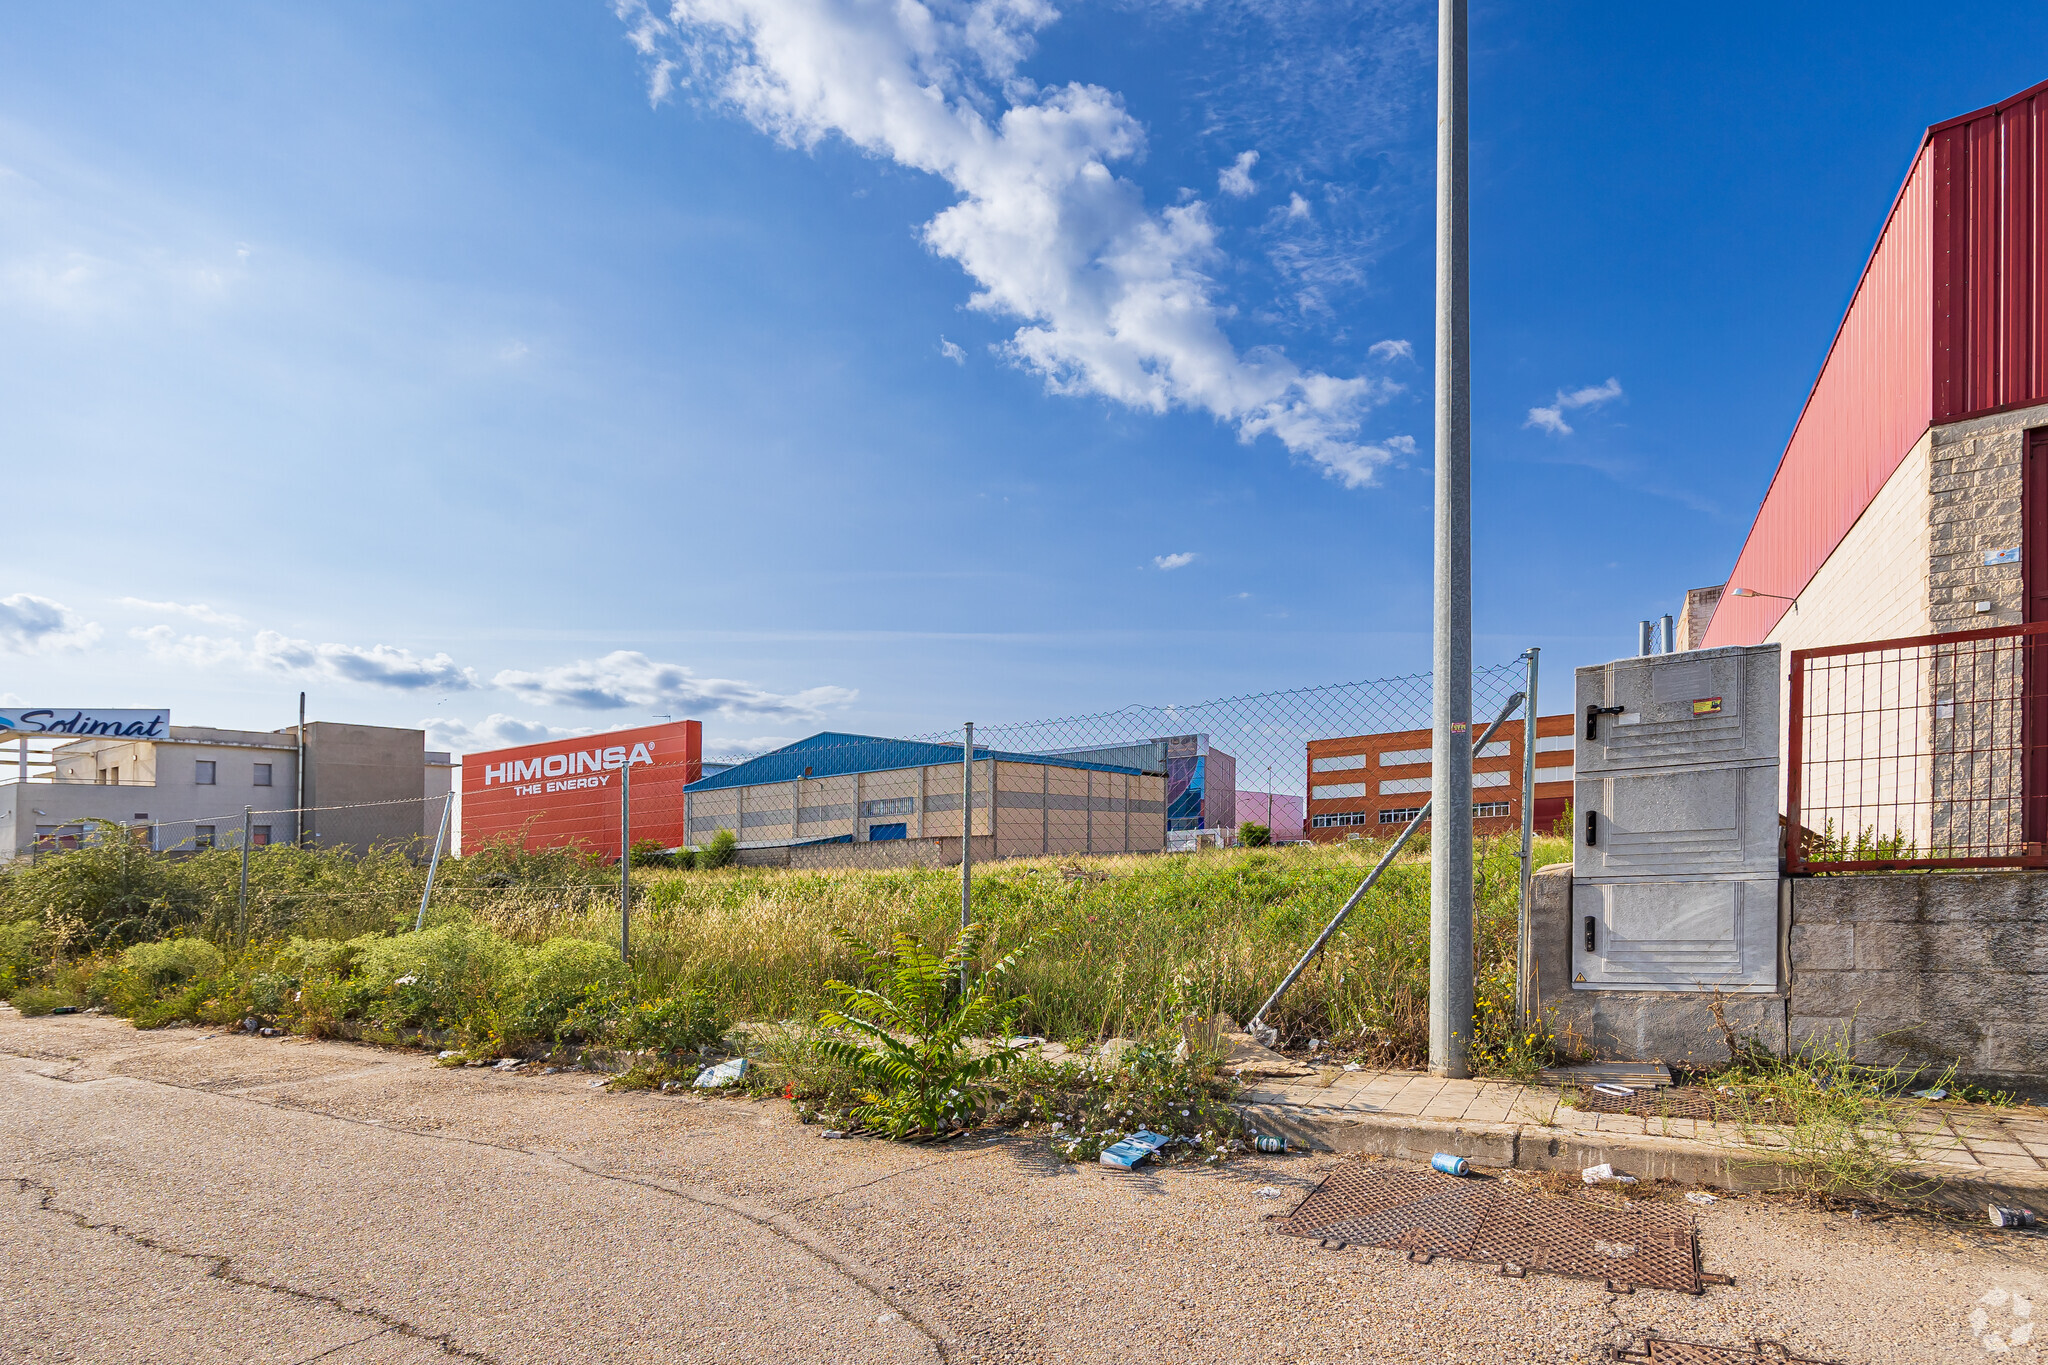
[(1297, 209), (1116, 300), (1551, 418), (628, 678), (200, 651), (1236, 180), (495, 731), (36, 625), (375, 666), (1175, 561), (952, 351), (1392, 350), (198, 611)]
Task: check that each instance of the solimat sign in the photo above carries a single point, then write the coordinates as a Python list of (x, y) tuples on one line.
[(565, 793), (70, 720)]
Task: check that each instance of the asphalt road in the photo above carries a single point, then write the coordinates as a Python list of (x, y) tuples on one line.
[(180, 1196)]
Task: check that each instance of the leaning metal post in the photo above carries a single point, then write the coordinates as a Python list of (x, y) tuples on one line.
[(1258, 1027), (1450, 848), (1529, 713), (434, 863), (242, 904)]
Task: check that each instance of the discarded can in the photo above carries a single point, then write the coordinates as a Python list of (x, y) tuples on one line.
[(1936, 1093), (1593, 1175), (834, 1133), (1620, 1092), (1699, 1197), (1450, 1165), (2004, 1216), (1270, 1142), (65, 1009)]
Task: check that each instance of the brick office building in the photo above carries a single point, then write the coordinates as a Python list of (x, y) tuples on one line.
[(1368, 786)]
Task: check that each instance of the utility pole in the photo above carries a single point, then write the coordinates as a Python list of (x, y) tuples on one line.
[(1450, 844), (967, 839), (242, 903)]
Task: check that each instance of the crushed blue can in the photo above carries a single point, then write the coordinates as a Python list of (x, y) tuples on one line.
[(1450, 1165)]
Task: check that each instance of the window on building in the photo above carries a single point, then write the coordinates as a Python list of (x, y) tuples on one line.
[(1340, 819), (259, 836), (1550, 744), (202, 835), (1401, 816), (1338, 763), (888, 805), (202, 772), (262, 774), (879, 833), (1486, 809), (1401, 758)]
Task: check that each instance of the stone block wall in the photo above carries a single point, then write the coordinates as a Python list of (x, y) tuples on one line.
[(1925, 969), (1974, 473)]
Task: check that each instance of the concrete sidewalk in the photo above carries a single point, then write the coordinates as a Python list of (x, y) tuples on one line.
[(1977, 1153)]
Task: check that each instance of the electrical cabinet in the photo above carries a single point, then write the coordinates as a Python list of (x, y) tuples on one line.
[(1675, 823)]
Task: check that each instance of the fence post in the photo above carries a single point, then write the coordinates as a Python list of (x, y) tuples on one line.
[(967, 837), (626, 859), (242, 902), (1529, 714), (434, 863)]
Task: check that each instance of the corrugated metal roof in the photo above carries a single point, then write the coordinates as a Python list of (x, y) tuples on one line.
[(1947, 323), (833, 754)]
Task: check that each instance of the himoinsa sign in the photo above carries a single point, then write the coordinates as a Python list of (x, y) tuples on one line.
[(565, 793)]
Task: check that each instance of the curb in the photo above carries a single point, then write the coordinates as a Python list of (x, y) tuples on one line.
[(1537, 1147)]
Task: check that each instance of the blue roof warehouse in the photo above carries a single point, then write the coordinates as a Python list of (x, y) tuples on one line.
[(839, 799)]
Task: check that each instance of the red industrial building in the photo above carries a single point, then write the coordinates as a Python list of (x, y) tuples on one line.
[(565, 792), (1912, 497), (1369, 786)]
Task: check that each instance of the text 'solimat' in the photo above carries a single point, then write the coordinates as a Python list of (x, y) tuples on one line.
[(566, 765)]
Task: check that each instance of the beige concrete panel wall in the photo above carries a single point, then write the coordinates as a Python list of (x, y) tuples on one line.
[(942, 799), (707, 813), (1066, 809), (767, 812), (1148, 815), (826, 806)]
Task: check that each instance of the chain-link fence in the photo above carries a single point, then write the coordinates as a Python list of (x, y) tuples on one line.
[(1136, 779)]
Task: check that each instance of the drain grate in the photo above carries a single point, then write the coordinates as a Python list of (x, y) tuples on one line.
[(1685, 1102), (1427, 1215), (1656, 1350)]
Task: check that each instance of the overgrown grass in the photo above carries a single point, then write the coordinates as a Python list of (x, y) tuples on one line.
[(1131, 951)]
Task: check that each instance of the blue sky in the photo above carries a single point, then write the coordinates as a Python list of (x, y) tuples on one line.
[(788, 364)]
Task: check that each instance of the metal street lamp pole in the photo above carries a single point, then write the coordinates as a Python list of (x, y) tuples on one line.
[(1450, 844)]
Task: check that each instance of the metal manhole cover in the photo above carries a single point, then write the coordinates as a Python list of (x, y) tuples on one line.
[(1656, 1350), (1427, 1214)]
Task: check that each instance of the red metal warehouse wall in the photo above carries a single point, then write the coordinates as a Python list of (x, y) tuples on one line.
[(565, 792), (1947, 323)]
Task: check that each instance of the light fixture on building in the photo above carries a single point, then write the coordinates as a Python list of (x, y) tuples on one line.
[(1752, 592)]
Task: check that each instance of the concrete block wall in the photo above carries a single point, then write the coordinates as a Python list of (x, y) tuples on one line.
[(1925, 969)]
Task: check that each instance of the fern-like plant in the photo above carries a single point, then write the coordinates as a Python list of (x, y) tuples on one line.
[(916, 1017)]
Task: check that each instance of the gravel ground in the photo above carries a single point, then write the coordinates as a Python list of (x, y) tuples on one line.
[(181, 1196)]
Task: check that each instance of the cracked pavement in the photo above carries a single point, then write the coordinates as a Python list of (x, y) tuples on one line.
[(190, 1196)]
